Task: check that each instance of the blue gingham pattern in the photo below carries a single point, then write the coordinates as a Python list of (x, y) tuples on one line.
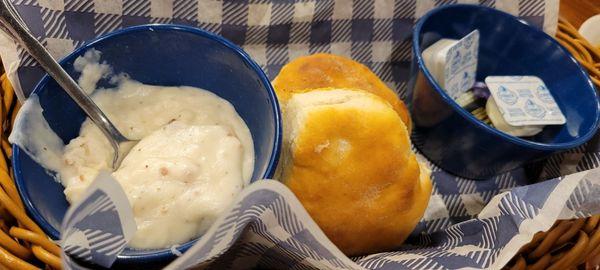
[(373, 32), (274, 32), (97, 228), (268, 228), (99, 235)]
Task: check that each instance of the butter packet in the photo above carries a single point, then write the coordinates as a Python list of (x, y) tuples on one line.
[(453, 63), (524, 101), (461, 65)]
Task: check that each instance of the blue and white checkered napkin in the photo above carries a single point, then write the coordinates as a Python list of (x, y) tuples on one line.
[(97, 228), (464, 225), (268, 227)]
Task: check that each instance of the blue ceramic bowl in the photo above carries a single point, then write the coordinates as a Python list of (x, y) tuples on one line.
[(453, 138), (160, 55)]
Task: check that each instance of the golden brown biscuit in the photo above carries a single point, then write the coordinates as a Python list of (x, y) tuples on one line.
[(347, 157), (327, 70)]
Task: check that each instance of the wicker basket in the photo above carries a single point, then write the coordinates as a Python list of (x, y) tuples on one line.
[(568, 244), (23, 245)]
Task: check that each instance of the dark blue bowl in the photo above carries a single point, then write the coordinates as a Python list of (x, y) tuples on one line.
[(161, 55), (453, 138)]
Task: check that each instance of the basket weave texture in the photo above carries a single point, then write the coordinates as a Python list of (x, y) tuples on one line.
[(23, 245), (569, 244)]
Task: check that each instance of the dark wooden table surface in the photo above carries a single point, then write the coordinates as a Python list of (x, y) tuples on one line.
[(577, 11)]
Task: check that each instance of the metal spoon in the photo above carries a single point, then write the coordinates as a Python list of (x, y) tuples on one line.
[(12, 23)]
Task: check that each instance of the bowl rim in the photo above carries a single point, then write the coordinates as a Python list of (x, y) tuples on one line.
[(417, 52), (162, 254)]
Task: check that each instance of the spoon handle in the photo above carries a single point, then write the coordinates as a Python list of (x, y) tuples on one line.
[(12, 24)]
